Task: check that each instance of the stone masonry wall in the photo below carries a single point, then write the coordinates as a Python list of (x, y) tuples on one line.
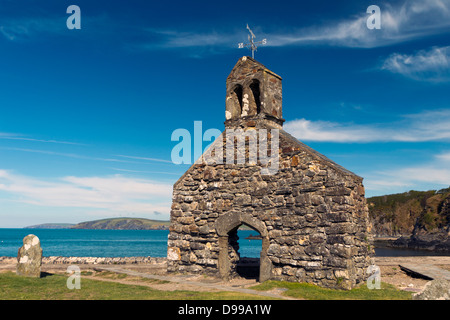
[(314, 211), (244, 74)]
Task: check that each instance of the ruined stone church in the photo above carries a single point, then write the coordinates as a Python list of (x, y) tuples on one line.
[(310, 213)]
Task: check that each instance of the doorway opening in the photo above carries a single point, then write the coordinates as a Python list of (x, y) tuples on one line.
[(246, 244), (250, 246), (230, 262)]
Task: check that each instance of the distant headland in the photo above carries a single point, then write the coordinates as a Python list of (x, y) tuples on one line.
[(109, 224)]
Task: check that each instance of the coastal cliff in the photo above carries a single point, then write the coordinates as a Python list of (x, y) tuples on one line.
[(109, 224), (419, 219), (123, 224)]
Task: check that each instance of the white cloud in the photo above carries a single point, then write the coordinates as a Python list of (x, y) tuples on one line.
[(329, 131), (128, 159), (23, 28), (410, 20), (421, 127), (15, 136), (145, 158), (352, 33), (143, 171), (445, 157), (12, 33), (425, 65), (191, 39), (116, 194), (409, 177), (195, 44), (433, 174)]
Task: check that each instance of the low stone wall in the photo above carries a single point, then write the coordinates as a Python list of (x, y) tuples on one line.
[(92, 260)]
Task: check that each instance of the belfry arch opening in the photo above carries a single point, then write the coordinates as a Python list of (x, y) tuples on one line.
[(239, 91), (256, 91)]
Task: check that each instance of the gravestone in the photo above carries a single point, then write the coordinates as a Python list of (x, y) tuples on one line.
[(29, 257)]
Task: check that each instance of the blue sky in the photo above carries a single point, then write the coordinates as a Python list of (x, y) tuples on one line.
[(87, 115)]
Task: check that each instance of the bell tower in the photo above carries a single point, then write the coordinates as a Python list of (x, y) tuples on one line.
[(254, 96)]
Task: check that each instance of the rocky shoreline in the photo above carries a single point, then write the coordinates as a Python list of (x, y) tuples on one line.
[(92, 260), (421, 244), (414, 243)]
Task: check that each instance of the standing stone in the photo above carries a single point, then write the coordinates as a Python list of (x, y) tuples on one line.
[(29, 258)]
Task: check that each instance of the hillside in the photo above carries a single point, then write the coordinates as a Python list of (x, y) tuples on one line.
[(51, 226), (401, 214), (420, 218), (124, 224)]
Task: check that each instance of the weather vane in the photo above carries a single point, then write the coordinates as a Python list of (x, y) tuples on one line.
[(252, 44)]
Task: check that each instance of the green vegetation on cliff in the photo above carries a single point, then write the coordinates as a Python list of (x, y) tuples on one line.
[(402, 213), (51, 226), (124, 224)]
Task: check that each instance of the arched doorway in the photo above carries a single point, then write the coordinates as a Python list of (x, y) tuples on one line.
[(249, 250), (226, 227)]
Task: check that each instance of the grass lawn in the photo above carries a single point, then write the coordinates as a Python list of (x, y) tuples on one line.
[(53, 287), (313, 292)]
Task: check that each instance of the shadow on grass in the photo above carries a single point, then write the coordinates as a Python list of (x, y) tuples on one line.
[(46, 274)]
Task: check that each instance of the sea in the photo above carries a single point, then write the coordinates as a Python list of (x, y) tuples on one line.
[(131, 243)]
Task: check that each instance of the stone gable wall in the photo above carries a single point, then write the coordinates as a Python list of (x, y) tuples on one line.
[(314, 212)]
